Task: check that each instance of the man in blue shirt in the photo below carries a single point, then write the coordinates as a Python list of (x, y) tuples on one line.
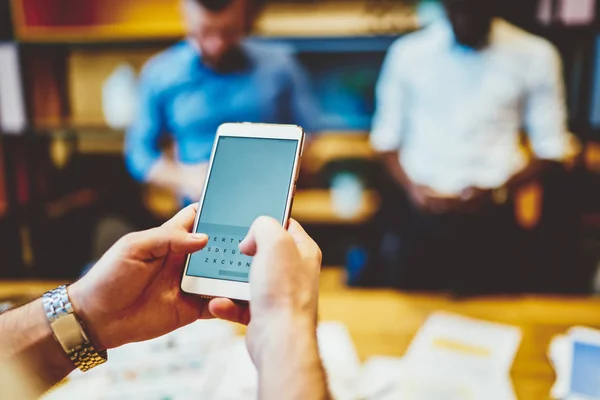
[(213, 77)]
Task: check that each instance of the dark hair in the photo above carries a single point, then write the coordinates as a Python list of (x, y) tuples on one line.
[(218, 5)]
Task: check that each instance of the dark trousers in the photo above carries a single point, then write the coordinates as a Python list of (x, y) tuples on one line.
[(465, 253)]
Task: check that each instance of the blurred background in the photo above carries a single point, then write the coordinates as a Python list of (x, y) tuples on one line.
[(65, 191), (72, 180), (64, 178)]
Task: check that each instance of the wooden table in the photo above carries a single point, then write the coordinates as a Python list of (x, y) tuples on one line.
[(384, 322)]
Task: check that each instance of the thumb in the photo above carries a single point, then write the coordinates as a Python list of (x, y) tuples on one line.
[(263, 232), (158, 242)]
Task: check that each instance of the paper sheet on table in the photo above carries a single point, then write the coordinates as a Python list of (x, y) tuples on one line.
[(386, 378), (575, 359), (177, 366), (205, 360), (340, 360), (455, 357), (560, 350), (466, 345)]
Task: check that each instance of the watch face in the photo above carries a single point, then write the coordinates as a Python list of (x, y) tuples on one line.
[(68, 332)]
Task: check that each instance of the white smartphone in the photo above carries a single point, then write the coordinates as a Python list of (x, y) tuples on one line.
[(252, 173)]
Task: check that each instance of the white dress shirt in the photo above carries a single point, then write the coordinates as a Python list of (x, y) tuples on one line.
[(455, 114)]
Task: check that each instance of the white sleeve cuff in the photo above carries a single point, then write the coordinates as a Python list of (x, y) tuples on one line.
[(385, 141)]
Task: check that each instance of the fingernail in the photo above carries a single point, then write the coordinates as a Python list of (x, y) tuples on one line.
[(199, 236)]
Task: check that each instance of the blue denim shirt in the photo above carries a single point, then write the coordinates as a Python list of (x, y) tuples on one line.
[(181, 97)]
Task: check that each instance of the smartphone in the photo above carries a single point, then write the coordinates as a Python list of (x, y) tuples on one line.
[(253, 172)]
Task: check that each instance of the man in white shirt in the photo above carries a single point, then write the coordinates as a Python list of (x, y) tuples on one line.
[(452, 102)]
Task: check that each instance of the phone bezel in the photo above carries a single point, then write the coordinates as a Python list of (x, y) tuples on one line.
[(209, 287)]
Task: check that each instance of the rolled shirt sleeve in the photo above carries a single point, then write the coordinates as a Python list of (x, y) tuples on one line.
[(388, 122), (142, 139), (545, 111)]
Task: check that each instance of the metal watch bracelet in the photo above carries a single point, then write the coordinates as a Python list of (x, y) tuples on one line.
[(69, 331)]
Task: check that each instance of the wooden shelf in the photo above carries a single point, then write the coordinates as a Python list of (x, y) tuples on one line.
[(315, 207), (342, 18), (110, 20), (91, 139), (310, 207), (89, 69), (126, 20), (330, 146)]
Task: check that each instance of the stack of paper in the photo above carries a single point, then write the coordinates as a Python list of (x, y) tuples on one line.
[(205, 360), (178, 366), (451, 357), (576, 360)]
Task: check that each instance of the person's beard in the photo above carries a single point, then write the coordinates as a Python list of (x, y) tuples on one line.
[(473, 33), (475, 42), (475, 39), (232, 61)]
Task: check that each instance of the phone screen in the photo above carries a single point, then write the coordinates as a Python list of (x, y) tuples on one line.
[(250, 177)]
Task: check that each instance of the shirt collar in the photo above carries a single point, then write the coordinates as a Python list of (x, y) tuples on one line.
[(446, 34), (195, 49)]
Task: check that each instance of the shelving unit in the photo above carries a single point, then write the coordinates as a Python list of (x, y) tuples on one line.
[(95, 20), (127, 20), (69, 48)]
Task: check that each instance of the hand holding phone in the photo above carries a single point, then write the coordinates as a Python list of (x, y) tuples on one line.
[(252, 173), (285, 274)]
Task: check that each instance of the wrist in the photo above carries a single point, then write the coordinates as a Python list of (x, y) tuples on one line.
[(286, 355), (274, 333), (27, 341), (46, 336), (91, 325), (404, 182), (500, 195)]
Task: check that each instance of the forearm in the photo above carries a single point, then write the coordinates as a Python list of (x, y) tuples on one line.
[(288, 362), (532, 172), (391, 161), (27, 341)]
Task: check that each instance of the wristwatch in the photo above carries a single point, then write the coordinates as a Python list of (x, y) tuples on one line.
[(69, 331)]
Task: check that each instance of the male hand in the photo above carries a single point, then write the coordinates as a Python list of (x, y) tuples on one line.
[(284, 281), (473, 200), (430, 201), (133, 292), (192, 180)]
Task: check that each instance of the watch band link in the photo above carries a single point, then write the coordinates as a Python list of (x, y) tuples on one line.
[(83, 355)]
